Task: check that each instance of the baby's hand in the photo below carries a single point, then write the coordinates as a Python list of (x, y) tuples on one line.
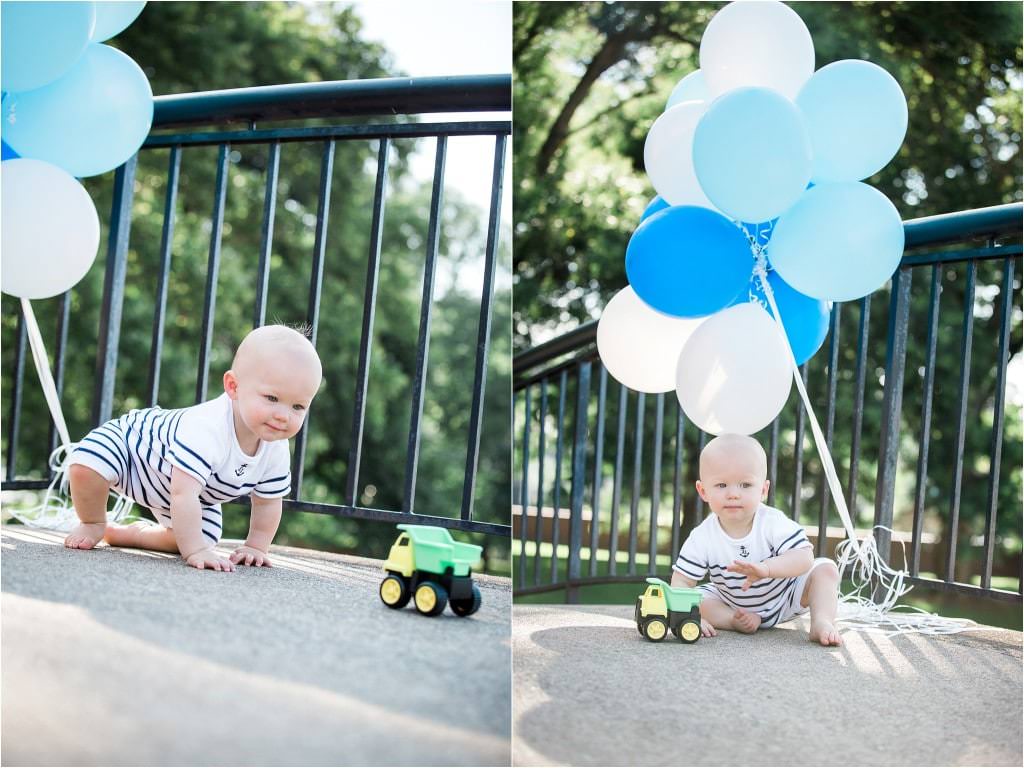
[(753, 572), (706, 629), (251, 556), (207, 558)]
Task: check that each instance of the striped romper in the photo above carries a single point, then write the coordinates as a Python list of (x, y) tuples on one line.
[(710, 550), (137, 451)]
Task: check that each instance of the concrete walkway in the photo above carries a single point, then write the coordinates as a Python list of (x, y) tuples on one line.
[(123, 657), (588, 690)]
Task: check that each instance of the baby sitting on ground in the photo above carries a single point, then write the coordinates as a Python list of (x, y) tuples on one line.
[(182, 464), (763, 570)]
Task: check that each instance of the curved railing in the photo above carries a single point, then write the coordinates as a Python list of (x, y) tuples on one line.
[(611, 513)]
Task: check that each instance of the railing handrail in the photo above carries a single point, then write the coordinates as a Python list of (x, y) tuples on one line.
[(925, 231), (336, 98)]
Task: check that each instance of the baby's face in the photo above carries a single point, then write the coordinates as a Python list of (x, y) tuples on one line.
[(733, 485), (273, 400)]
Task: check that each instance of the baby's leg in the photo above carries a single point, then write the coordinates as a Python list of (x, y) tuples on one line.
[(142, 535), (821, 595), (89, 491), (721, 616)]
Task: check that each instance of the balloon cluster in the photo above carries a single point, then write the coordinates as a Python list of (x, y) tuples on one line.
[(71, 107), (758, 163)]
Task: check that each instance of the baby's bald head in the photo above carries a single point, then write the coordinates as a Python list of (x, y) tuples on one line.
[(280, 348), (731, 450)]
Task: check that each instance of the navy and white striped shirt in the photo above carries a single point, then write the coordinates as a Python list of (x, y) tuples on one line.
[(200, 441), (710, 550)]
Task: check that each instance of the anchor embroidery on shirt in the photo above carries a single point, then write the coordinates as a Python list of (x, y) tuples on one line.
[(241, 470), (744, 552)]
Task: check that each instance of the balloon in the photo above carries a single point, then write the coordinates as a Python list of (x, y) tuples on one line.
[(656, 204), (688, 261), (51, 230), (88, 122), (40, 41), (752, 154), (640, 346), (804, 318), (856, 115), (839, 242), (734, 373), (668, 155), (114, 16), (690, 88), (764, 44), (6, 153)]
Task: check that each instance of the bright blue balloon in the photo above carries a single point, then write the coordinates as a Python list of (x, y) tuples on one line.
[(752, 154), (839, 242), (856, 115), (688, 261), (804, 318), (657, 204), (88, 122), (113, 16), (40, 41)]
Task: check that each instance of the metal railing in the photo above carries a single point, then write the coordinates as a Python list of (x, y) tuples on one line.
[(571, 519), (305, 101)]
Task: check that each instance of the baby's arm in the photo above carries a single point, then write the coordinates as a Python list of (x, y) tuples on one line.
[(787, 565), (187, 524), (263, 521)]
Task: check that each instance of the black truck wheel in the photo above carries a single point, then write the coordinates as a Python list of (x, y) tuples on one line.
[(655, 629), (466, 606), (431, 598), (394, 592), (637, 618), (689, 631)]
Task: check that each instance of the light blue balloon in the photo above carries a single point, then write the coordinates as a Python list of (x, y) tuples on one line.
[(690, 88), (40, 41), (88, 122), (804, 317), (856, 115), (688, 261), (752, 154), (656, 204), (839, 242), (114, 16)]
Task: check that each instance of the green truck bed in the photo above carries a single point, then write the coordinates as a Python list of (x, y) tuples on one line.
[(682, 599), (436, 550)]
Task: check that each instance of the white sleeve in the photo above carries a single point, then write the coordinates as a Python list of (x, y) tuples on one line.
[(786, 534), (693, 556), (196, 444), (277, 477)]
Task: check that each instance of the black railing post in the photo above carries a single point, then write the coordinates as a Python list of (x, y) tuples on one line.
[(113, 291), (579, 481), (889, 439)]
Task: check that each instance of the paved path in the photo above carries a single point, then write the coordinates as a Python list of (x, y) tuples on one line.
[(588, 690), (123, 657)]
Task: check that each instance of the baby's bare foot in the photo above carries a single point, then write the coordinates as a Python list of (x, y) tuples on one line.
[(745, 621), (824, 632), (125, 535), (85, 536)]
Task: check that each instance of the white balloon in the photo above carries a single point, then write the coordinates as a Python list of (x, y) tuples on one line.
[(734, 372), (760, 43), (638, 345), (690, 88), (668, 155), (51, 231)]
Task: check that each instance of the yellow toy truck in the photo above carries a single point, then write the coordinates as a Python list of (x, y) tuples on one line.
[(426, 564), (662, 607)]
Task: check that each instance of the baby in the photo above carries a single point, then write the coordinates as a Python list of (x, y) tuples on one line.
[(182, 464), (763, 570)]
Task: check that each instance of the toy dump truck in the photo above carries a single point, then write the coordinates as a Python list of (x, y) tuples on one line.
[(663, 607), (426, 564)]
